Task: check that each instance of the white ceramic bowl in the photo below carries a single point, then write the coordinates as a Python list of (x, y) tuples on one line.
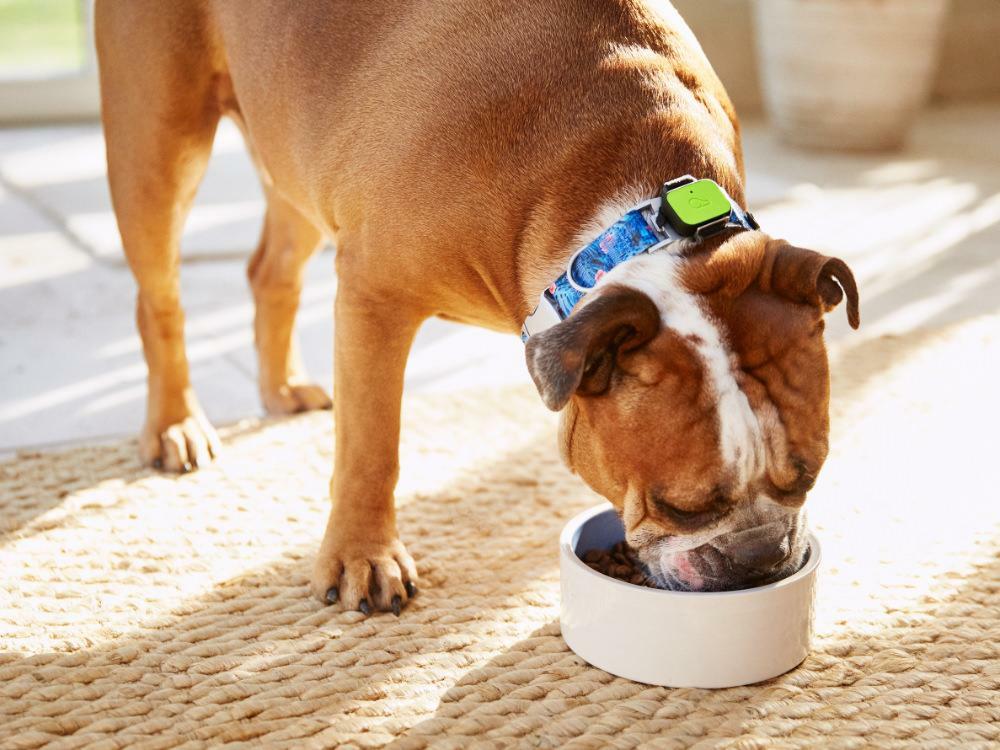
[(679, 638)]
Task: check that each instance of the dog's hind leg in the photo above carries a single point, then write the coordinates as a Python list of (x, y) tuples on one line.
[(275, 271), (159, 108)]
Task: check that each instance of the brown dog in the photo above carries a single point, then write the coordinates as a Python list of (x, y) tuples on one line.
[(459, 152)]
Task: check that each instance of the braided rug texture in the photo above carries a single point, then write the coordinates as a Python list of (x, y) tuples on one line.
[(144, 611)]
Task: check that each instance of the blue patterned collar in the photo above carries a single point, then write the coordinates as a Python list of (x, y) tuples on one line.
[(642, 229)]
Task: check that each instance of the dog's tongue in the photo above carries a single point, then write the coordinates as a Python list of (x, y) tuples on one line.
[(684, 570)]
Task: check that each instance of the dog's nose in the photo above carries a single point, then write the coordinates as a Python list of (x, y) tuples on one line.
[(759, 550), (762, 557)]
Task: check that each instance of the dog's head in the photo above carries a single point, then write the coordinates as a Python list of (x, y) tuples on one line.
[(695, 396)]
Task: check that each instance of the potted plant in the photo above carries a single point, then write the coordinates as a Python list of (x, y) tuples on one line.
[(847, 74)]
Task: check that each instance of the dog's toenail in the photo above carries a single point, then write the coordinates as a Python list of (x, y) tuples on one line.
[(411, 589), (157, 463), (332, 594), (397, 604), (186, 467), (365, 607)]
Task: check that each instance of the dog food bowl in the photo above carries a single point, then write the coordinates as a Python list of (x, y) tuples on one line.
[(679, 638)]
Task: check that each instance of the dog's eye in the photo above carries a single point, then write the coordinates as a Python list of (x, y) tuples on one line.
[(692, 518), (720, 502), (684, 515), (679, 515)]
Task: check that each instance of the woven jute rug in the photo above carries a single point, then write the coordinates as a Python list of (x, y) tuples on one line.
[(147, 611)]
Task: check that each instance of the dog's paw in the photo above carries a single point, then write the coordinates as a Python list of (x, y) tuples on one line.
[(365, 576), (180, 447), (291, 398)]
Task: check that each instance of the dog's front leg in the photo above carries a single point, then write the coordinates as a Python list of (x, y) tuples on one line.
[(361, 561)]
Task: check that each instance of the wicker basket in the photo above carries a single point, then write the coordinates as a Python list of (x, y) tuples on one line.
[(847, 74)]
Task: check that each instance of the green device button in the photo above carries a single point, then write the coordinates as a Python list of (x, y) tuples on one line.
[(695, 205)]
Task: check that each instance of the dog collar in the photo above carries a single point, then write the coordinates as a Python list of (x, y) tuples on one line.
[(685, 210)]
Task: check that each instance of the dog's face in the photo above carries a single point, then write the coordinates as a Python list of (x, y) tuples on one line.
[(695, 397)]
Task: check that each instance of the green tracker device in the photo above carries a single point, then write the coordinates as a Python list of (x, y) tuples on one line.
[(693, 206)]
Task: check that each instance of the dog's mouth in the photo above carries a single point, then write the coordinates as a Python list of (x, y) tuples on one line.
[(705, 568), (722, 565)]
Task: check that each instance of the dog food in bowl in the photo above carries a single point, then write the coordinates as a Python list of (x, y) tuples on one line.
[(618, 562), (676, 638)]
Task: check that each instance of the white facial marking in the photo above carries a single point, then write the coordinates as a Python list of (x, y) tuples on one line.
[(657, 275)]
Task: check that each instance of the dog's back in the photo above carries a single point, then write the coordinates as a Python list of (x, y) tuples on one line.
[(424, 104)]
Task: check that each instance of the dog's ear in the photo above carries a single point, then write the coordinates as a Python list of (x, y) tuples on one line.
[(808, 277), (578, 354)]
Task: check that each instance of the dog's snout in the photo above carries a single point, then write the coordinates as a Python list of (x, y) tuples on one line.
[(763, 555), (757, 554), (759, 549)]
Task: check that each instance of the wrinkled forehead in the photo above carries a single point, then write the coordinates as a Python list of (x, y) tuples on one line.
[(738, 434)]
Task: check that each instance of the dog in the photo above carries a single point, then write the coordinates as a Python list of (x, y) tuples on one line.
[(459, 154)]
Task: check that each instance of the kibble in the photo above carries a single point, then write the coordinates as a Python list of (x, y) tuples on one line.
[(618, 562)]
